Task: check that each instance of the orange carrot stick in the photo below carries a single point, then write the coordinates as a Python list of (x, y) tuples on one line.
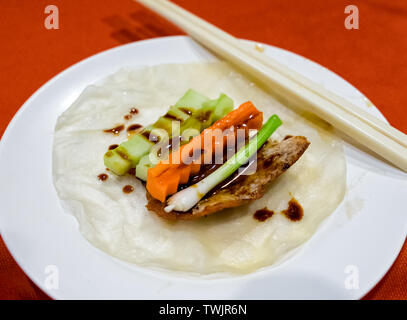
[(164, 178), (234, 117)]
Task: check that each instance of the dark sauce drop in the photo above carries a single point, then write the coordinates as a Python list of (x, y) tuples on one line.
[(294, 212), (120, 153), (146, 135), (134, 127), (133, 111), (204, 116), (113, 146), (128, 189), (127, 117), (149, 136), (186, 111), (132, 171), (263, 214), (103, 177), (171, 117), (116, 130)]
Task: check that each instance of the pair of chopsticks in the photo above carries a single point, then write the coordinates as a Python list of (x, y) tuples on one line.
[(371, 132)]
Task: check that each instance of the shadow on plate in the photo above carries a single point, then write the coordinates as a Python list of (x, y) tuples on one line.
[(141, 24)]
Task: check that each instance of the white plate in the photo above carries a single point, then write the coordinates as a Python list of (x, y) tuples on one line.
[(361, 239)]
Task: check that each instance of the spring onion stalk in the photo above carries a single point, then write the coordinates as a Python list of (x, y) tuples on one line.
[(189, 197)]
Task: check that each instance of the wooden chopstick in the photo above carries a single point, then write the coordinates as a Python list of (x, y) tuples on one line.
[(385, 128), (364, 128)]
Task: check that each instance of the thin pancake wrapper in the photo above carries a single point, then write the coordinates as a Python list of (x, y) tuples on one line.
[(231, 242)]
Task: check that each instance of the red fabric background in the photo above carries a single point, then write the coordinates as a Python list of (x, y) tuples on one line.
[(371, 58)]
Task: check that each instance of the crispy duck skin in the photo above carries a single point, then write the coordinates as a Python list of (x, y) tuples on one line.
[(273, 159)]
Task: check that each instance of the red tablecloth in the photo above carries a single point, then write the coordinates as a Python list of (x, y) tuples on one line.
[(371, 58)]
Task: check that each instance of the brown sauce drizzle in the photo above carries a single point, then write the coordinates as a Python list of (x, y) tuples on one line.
[(103, 177), (204, 116), (205, 171), (146, 135), (121, 154), (113, 146), (243, 125), (116, 130), (130, 115), (294, 212), (186, 111), (263, 214), (149, 136), (132, 171), (134, 127), (170, 116), (128, 189)]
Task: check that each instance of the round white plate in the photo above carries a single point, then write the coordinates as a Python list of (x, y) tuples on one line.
[(346, 257)]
